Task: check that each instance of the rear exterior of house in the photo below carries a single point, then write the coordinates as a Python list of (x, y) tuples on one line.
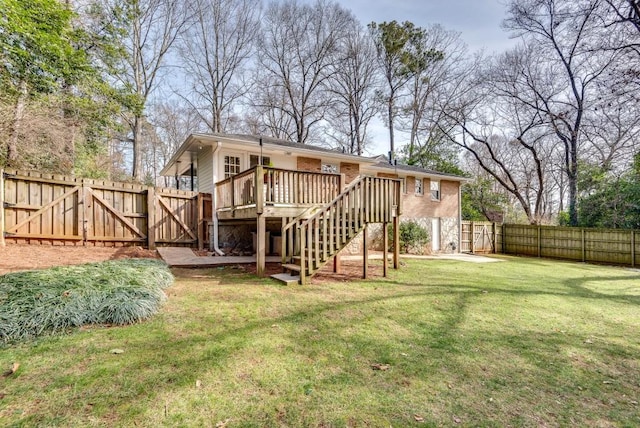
[(267, 192)]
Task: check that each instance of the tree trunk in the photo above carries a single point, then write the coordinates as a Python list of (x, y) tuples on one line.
[(390, 112), (12, 146), (136, 141), (573, 196)]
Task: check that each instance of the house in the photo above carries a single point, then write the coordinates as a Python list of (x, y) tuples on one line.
[(262, 184)]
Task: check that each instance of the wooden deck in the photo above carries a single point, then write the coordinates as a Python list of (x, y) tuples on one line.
[(274, 192)]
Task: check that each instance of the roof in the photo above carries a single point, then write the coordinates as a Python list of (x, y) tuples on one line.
[(383, 165), (188, 151)]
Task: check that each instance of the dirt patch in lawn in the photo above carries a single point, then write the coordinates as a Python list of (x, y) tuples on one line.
[(350, 271), (17, 257)]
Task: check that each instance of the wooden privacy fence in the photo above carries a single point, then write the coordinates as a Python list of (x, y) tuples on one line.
[(481, 237), (615, 246), (54, 209)]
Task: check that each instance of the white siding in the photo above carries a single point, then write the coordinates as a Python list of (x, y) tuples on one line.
[(205, 170)]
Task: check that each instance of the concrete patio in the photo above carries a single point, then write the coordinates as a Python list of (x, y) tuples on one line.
[(185, 257)]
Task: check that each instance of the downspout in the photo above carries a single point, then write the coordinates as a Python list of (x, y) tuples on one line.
[(214, 238), (459, 217)]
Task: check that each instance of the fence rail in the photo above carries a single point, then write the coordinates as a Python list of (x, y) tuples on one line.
[(614, 246), (55, 209)]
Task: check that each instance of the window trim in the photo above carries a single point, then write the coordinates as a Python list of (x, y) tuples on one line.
[(239, 165), (421, 192), (334, 166), (266, 159), (438, 195)]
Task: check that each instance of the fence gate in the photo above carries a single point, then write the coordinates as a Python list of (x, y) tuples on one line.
[(45, 208), (479, 237)]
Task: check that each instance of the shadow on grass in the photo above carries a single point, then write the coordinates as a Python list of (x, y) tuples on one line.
[(162, 361)]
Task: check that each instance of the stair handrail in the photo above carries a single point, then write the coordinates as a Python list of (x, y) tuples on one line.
[(289, 225), (334, 201)]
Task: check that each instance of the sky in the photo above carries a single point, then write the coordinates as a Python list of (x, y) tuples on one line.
[(477, 21)]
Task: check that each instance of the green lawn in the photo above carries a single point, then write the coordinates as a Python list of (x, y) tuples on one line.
[(524, 342)]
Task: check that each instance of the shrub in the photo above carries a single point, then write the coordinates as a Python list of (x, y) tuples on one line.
[(413, 237), (54, 300)]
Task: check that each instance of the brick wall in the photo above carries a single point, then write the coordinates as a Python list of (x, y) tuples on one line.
[(421, 206), (309, 164), (350, 171)]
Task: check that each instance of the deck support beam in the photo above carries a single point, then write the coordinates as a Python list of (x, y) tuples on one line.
[(365, 253), (337, 264), (385, 248), (396, 242), (261, 245)]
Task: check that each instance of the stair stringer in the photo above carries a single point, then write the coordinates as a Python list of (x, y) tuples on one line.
[(320, 237)]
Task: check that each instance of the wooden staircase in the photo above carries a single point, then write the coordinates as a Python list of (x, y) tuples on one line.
[(312, 239)]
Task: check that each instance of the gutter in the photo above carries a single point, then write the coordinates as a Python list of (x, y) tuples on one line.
[(214, 238)]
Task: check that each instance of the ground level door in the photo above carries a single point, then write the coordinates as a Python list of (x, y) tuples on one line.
[(435, 234)]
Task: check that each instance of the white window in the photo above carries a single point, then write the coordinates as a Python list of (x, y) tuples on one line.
[(419, 188), (255, 160), (435, 190), (231, 165), (329, 168)]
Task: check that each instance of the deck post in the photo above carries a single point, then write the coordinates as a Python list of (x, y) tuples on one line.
[(259, 179), (337, 264), (385, 248), (396, 242), (365, 252), (2, 243), (200, 221), (261, 245)]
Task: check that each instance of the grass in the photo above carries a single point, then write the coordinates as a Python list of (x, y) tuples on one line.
[(524, 342), (55, 300)]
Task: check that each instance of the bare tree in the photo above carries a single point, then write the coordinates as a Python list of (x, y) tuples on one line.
[(147, 29), (428, 87), (216, 49), (564, 35), (352, 87), (298, 46), (505, 137)]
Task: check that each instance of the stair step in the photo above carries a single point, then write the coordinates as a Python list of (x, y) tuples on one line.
[(291, 267), (286, 278)]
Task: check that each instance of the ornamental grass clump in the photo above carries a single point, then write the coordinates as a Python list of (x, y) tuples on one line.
[(54, 300)]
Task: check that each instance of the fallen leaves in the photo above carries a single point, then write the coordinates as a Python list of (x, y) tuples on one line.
[(380, 366), (14, 368)]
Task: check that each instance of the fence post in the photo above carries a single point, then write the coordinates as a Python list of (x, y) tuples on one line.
[(472, 237), (633, 247), (584, 250), (539, 242), (2, 243), (151, 218), (495, 237)]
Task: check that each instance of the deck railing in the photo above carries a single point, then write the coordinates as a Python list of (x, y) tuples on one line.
[(261, 186)]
